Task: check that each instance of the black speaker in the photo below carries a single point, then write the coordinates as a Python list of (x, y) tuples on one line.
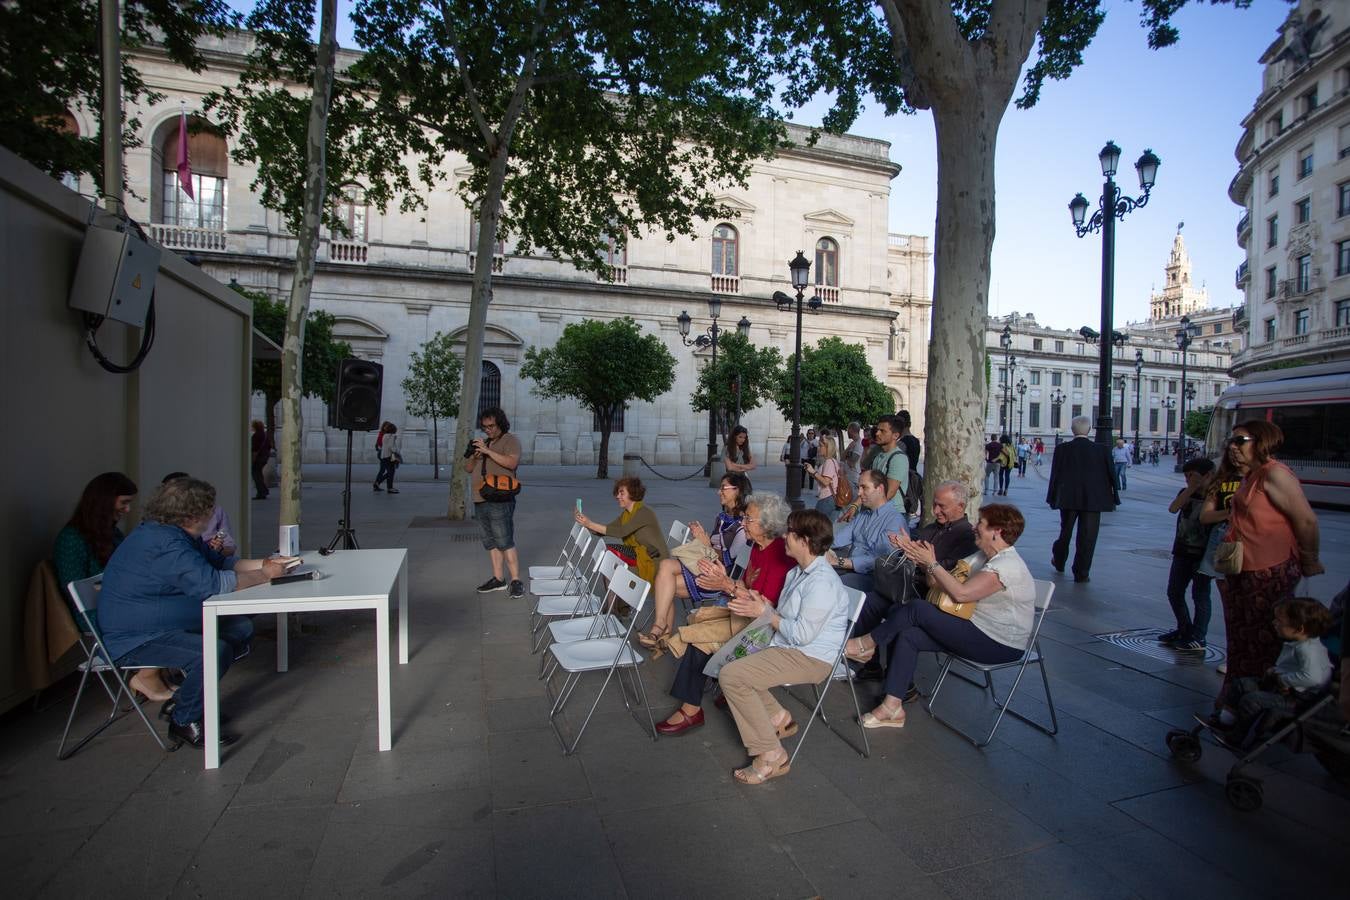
[(356, 406)]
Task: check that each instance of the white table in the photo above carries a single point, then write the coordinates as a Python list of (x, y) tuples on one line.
[(352, 579)]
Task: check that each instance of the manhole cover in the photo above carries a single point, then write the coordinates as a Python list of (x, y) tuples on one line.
[(1145, 641)]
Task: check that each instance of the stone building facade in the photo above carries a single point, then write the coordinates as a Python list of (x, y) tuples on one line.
[(1293, 183), (402, 277)]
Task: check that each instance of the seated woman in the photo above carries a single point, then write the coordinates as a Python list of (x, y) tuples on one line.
[(737, 456), (636, 526), (150, 607), (765, 522), (999, 584), (674, 578), (85, 544), (809, 622)]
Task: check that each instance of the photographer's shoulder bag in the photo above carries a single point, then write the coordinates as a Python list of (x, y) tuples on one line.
[(497, 488)]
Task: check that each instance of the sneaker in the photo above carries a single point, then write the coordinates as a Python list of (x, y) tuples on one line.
[(492, 584), (1222, 668), (517, 590), (1189, 644), (1168, 637)]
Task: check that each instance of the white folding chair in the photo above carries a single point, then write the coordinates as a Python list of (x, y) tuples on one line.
[(840, 672), (574, 575), (1031, 656), (98, 661), (679, 534), (741, 562), (583, 602), (561, 568), (584, 627), (610, 655)]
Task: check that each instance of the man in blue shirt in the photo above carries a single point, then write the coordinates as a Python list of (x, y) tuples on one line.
[(863, 540), (150, 606)]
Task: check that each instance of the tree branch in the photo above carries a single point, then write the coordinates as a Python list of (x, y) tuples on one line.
[(470, 92)]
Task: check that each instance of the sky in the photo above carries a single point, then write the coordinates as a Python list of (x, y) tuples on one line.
[(1185, 103)]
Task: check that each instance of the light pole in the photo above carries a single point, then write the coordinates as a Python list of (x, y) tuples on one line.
[(708, 338), (1056, 401), (1113, 205), (1005, 341), (800, 268), (1120, 383), (1138, 408), (1183, 338), (743, 329), (1169, 404), (1021, 405)]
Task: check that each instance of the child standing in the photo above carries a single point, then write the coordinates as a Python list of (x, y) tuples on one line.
[(1188, 552), (1303, 667)]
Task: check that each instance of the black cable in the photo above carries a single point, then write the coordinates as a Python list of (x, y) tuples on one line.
[(93, 321)]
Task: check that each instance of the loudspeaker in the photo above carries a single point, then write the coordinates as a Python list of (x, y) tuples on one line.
[(357, 403)]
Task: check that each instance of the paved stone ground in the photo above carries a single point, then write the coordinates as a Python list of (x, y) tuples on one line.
[(475, 799)]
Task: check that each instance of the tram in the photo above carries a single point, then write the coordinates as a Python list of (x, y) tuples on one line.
[(1311, 404)]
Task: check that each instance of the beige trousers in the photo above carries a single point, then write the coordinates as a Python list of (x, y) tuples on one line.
[(746, 683)]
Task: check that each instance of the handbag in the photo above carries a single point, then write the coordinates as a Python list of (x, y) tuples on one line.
[(843, 491), (497, 488), (1228, 557), (690, 554), (943, 601), (893, 578)]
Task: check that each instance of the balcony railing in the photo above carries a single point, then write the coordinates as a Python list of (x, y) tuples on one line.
[(726, 284), (617, 275), (1297, 340), (186, 237), (348, 252), (498, 262), (1244, 275), (1296, 288), (827, 293), (1244, 229)]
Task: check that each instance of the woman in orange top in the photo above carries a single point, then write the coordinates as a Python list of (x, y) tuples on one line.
[(1278, 529)]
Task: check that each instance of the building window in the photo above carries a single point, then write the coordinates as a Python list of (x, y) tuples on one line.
[(1037, 344), (209, 160), (1274, 126), (1270, 329), (1218, 328), (616, 257), (1077, 379), (489, 388), (1305, 162), (1002, 376), (1303, 211), (1303, 268), (1301, 321), (1033, 415), (1192, 359), (1218, 389), (1344, 138), (617, 425), (1036, 376), (1153, 420), (1274, 184), (1171, 386), (1171, 420), (1272, 283), (1343, 199), (827, 262), (1059, 346), (350, 210), (1080, 348), (1157, 356), (498, 248), (1056, 379), (724, 258), (1272, 231), (1342, 258), (1342, 313), (1307, 102), (1054, 416), (1176, 359), (1154, 385), (1076, 410)]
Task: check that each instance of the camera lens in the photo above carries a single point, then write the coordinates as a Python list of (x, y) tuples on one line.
[(468, 451)]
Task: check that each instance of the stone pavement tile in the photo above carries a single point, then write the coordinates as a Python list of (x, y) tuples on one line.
[(558, 851), (1265, 851), (858, 859), (410, 771), (109, 767), (806, 799), (1046, 870), (521, 714), (996, 831), (527, 768), (262, 851), (305, 760), (702, 848), (321, 692), (427, 728), (1152, 866), (143, 847), (29, 865)]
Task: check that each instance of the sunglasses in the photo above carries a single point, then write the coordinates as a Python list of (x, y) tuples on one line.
[(1238, 440)]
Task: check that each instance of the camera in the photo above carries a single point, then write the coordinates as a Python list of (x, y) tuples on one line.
[(469, 451)]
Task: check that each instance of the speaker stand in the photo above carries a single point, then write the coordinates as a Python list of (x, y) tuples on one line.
[(345, 534)]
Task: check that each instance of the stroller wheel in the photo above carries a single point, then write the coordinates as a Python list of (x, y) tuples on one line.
[(1183, 745), (1243, 793)]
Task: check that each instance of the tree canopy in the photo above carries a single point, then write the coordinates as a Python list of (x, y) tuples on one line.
[(603, 366), (838, 386), (431, 388), (321, 358), (756, 369)]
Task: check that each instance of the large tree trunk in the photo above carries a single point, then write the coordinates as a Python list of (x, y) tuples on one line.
[(307, 247), (606, 428)]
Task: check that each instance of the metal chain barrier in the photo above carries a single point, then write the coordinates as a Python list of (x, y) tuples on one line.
[(697, 472)]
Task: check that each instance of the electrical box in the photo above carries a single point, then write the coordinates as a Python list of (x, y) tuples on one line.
[(116, 275)]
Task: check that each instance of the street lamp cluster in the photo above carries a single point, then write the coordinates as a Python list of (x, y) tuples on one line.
[(709, 339), (1009, 360), (799, 267)]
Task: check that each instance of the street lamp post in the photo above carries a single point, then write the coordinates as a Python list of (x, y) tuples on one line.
[(1021, 405), (1056, 401), (1169, 404), (800, 267), (1183, 338), (707, 339), (743, 329), (1005, 408), (1113, 205), (1120, 383), (1138, 408)]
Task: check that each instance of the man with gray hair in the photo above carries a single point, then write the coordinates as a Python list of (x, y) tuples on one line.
[(1082, 487)]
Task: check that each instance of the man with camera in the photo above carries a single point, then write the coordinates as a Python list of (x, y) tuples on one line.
[(492, 462)]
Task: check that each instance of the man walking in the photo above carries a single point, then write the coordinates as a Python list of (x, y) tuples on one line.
[(992, 451), (496, 454), (1082, 487)]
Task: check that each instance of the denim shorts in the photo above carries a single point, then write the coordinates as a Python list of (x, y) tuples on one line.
[(497, 521)]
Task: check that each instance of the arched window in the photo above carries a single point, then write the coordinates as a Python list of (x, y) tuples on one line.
[(350, 209), (827, 262), (724, 250), (489, 388), (209, 161)]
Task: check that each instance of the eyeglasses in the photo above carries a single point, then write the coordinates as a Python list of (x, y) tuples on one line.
[(1238, 440), (727, 487)]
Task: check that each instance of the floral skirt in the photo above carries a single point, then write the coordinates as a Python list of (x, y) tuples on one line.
[(1249, 600)]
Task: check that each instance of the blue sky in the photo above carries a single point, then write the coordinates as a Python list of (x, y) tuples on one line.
[(1184, 102)]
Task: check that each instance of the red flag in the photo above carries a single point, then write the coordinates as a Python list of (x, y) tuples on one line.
[(184, 164)]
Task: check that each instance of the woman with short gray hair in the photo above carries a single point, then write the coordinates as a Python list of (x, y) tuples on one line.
[(710, 626)]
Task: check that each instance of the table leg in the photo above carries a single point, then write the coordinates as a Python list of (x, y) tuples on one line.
[(403, 612), (283, 644), (382, 672), (211, 687)]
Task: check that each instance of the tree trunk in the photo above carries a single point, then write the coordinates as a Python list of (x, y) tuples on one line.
[(307, 247), (606, 427), (435, 452)]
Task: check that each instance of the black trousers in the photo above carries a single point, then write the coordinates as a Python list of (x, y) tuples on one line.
[(259, 482), (1088, 522), (689, 677)]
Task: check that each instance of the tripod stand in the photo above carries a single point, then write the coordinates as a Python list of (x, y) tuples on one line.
[(345, 533)]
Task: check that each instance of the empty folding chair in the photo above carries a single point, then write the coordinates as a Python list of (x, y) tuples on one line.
[(583, 602), (679, 534), (560, 569), (840, 672), (583, 627), (99, 662), (741, 562), (611, 655), (1031, 656), (574, 572)]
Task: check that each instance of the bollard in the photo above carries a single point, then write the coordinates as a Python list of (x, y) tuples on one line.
[(631, 461)]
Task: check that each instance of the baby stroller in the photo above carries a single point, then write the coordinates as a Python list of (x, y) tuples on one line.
[(1317, 727)]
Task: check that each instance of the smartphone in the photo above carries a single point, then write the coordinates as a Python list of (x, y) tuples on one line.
[(578, 504)]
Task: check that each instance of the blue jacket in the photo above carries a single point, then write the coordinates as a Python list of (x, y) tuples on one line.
[(867, 531), (155, 583)]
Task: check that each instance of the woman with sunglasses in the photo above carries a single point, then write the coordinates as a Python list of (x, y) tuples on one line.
[(1271, 517)]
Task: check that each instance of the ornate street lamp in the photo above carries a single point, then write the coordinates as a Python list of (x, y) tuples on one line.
[(1169, 404), (1113, 205), (1120, 383), (743, 329), (1005, 341), (1021, 405), (800, 269), (1056, 401), (707, 339), (1138, 408), (1183, 338)]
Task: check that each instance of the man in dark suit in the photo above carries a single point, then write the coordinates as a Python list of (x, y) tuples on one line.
[(1082, 487)]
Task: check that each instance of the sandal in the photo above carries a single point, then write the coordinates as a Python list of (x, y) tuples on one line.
[(889, 718), (860, 653), (754, 774), (787, 729), (651, 638)]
